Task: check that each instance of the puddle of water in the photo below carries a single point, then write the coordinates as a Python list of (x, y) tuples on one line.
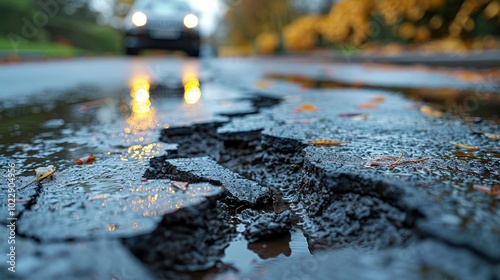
[(123, 125), (483, 101), (242, 257)]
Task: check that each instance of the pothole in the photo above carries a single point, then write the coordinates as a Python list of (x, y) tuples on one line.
[(248, 158)]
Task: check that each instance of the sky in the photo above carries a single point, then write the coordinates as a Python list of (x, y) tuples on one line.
[(207, 10)]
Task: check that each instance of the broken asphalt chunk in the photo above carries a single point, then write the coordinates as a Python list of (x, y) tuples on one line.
[(205, 169)]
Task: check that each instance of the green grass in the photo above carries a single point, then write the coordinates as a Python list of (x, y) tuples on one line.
[(37, 47)]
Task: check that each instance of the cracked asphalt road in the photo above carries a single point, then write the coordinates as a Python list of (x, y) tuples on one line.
[(241, 134)]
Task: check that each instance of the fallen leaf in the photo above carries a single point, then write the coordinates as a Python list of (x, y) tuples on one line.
[(378, 99), (85, 160), (494, 190), (463, 146), (42, 173), (307, 107), (263, 84), (494, 137), (326, 143), (368, 105), (180, 185), (354, 116), (429, 111)]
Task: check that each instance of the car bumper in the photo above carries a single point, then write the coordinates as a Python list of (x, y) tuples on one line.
[(148, 39)]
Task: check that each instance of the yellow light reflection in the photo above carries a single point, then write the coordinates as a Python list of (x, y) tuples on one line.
[(140, 95), (143, 117), (192, 91)]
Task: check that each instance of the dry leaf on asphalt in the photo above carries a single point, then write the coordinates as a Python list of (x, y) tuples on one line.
[(494, 137), (494, 190), (180, 185), (378, 99), (326, 143), (368, 105), (354, 116), (42, 173), (85, 160), (429, 111), (307, 107), (463, 146), (263, 84)]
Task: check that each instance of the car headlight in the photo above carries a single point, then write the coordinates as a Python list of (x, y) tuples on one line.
[(190, 21), (139, 19)]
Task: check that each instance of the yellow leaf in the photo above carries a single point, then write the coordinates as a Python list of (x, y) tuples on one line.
[(44, 172), (463, 146), (429, 111), (263, 84), (494, 137)]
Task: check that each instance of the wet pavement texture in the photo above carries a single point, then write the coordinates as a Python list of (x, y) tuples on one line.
[(279, 168)]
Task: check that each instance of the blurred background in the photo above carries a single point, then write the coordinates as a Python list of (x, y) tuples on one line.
[(59, 28)]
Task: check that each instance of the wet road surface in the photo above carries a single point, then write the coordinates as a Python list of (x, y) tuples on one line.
[(293, 166)]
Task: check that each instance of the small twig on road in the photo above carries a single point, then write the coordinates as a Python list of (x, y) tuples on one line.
[(408, 161), (397, 160)]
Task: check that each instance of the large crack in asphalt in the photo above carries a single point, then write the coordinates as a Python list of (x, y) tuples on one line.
[(335, 208), (257, 169), (261, 176)]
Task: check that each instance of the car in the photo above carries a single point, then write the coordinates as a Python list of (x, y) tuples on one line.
[(161, 24)]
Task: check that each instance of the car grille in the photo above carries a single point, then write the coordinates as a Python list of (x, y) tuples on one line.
[(165, 24)]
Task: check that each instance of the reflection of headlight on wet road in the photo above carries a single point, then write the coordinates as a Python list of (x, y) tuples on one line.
[(192, 95), (192, 91), (140, 96)]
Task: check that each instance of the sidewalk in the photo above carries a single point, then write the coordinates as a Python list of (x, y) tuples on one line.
[(473, 59)]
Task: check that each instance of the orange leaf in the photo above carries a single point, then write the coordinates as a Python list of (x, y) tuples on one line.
[(307, 107), (325, 143), (368, 105), (378, 99), (495, 190), (85, 160)]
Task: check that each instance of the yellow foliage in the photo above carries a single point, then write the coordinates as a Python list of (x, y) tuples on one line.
[(348, 22), (352, 22), (301, 34), (267, 42)]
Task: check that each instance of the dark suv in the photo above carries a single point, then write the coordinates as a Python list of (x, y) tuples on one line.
[(161, 24)]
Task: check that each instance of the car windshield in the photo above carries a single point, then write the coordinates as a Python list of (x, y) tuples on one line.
[(165, 7)]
